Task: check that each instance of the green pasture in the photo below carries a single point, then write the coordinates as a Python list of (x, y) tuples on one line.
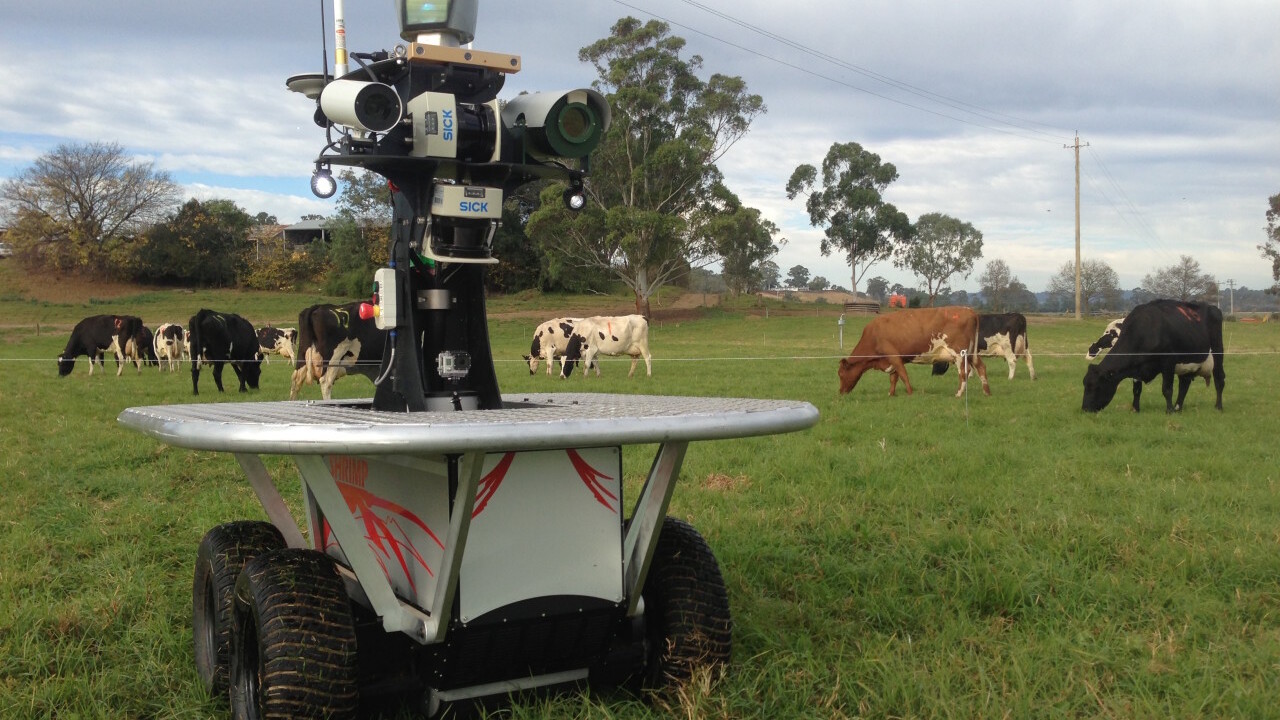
[(910, 556)]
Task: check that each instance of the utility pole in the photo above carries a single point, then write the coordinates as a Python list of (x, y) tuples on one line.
[(1231, 284), (1076, 146)]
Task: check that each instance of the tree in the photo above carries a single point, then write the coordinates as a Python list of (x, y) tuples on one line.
[(359, 236), (1099, 285), (798, 276), (655, 166), (819, 284), (204, 243), (739, 236), (850, 205), (941, 247), (770, 275), (1271, 248), (995, 283), (878, 288), (1181, 281), (77, 202)]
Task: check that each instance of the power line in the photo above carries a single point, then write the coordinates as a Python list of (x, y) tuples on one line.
[(837, 81), (885, 79)]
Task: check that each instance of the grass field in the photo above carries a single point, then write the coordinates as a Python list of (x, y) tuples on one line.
[(915, 556)]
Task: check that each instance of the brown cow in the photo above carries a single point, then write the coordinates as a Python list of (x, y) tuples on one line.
[(925, 335)]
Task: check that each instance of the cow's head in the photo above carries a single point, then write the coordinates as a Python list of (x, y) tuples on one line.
[(535, 352), (252, 371), (1099, 387), (573, 355), (66, 365), (850, 372), (1106, 340)]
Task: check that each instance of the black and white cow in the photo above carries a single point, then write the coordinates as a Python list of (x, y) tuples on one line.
[(169, 346), (593, 336), (277, 341), (550, 339), (1004, 335), (1166, 338), (137, 348), (96, 335), (1106, 339), (220, 338), (333, 341)]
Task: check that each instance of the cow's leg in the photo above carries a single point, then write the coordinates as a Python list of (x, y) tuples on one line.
[(648, 363), (898, 371), (635, 360), (1137, 395), (300, 376), (1219, 382), (1025, 351), (328, 379), (217, 374), (1184, 384), (982, 374), (195, 378), (1011, 358), (1166, 388), (240, 376)]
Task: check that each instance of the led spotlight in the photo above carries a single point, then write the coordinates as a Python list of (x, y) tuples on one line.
[(322, 183), (574, 199)]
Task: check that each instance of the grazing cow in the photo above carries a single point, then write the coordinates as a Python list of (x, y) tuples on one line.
[(332, 342), (278, 341), (220, 338), (924, 335), (96, 335), (551, 338), (1166, 338), (1106, 340), (168, 345), (1002, 334), (625, 335), (136, 348)]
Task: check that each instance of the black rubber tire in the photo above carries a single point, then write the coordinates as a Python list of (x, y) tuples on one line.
[(686, 609), (223, 553), (295, 641)]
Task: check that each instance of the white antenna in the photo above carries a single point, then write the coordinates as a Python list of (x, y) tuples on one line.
[(340, 39)]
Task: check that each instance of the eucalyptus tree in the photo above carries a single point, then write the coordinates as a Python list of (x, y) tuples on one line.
[(941, 247), (1271, 248), (849, 203), (656, 166)]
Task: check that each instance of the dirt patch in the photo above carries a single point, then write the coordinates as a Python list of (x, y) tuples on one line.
[(835, 297), (64, 289)]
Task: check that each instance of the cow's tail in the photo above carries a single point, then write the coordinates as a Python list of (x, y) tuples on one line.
[(306, 338), (194, 339)]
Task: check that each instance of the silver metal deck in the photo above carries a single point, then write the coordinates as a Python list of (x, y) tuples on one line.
[(530, 421)]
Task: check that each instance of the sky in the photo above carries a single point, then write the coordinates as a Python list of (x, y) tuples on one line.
[(977, 103)]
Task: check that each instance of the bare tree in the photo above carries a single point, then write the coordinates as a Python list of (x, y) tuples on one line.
[(1099, 285), (73, 203), (995, 283), (1181, 281)]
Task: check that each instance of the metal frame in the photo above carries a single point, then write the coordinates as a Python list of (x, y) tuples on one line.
[(423, 442)]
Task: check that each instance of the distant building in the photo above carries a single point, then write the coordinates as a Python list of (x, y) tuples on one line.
[(306, 232)]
